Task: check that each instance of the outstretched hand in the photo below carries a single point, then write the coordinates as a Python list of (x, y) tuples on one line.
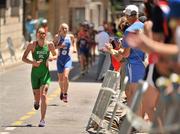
[(107, 47)]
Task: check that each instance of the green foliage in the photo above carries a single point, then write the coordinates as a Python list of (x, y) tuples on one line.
[(117, 5)]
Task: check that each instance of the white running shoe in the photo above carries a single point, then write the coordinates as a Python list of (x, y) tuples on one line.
[(42, 123)]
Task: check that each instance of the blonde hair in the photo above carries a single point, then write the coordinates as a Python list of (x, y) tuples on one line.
[(64, 25)]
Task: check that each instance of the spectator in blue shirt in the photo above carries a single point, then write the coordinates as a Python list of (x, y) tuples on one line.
[(30, 27), (135, 68)]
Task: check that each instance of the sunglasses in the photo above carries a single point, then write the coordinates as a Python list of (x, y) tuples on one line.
[(43, 33)]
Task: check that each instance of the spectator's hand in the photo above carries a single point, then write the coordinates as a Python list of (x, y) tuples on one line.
[(50, 59), (104, 49), (108, 46)]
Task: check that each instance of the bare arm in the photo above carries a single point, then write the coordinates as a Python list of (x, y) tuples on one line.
[(149, 45), (30, 48), (52, 50), (26, 52), (56, 42), (119, 54), (73, 42), (159, 47)]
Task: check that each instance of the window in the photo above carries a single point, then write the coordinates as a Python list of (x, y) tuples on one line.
[(2, 4), (15, 4)]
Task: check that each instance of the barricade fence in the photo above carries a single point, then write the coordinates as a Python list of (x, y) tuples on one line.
[(105, 97), (168, 107), (12, 52)]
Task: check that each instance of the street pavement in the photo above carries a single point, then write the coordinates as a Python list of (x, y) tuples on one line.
[(17, 115)]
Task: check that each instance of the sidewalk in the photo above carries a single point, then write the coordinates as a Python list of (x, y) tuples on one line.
[(9, 61)]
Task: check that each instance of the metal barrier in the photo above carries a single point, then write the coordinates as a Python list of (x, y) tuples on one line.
[(11, 49), (116, 113), (110, 79), (132, 120), (167, 111), (167, 116), (105, 97), (174, 102), (24, 43), (100, 108), (118, 99), (168, 107), (1, 58)]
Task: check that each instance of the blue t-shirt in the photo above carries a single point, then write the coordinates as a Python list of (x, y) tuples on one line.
[(136, 55), (30, 26)]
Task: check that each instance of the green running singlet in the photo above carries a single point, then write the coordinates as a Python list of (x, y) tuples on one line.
[(40, 75)]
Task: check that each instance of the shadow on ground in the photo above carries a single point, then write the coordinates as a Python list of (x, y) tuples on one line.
[(26, 125), (76, 76)]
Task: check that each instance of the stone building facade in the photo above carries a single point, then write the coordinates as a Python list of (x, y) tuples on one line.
[(71, 12), (11, 23)]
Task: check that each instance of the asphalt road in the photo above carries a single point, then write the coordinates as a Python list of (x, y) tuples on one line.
[(17, 115)]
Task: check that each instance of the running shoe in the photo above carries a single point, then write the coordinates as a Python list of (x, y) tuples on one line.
[(61, 96), (36, 105), (65, 98), (42, 123)]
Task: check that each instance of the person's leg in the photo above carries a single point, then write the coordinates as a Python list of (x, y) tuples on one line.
[(130, 92), (67, 69), (66, 84), (60, 68), (36, 93), (135, 73), (61, 84), (35, 82), (150, 100), (138, 73), (82, 62), (43, 93), (94, 52), (87, 60), (150, 97), (66, 79), (44, 82)]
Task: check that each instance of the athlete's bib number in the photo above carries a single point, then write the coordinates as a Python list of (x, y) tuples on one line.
[(64, 52), (41, 57), (82, 42)]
